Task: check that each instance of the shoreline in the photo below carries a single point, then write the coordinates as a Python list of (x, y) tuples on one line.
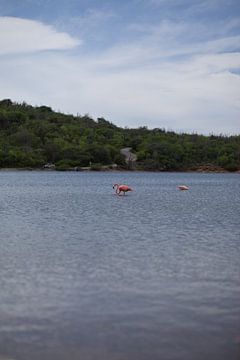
[(199, 171)]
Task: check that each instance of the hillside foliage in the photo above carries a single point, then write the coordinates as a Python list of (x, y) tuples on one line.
[(33, 136)]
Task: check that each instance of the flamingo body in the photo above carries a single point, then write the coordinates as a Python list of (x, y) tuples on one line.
[(121, 188), (183, 187)]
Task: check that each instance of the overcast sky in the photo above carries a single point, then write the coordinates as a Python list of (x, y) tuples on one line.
[(172, 64)]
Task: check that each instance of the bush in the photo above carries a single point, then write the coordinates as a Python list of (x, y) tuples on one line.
[(231, 167), (96, 167)]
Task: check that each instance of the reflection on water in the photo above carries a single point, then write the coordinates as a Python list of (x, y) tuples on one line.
[(86, 274)]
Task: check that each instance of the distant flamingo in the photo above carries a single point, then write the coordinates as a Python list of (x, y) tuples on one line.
[(121, 188), (183, 187)]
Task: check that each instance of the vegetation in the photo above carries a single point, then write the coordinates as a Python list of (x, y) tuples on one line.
[(31, 136)]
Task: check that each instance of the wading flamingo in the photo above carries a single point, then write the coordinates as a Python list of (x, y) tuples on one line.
[(183, 187), (121, 188)]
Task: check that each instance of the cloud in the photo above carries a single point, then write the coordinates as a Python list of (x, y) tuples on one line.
[(200, 94), (165, 43), (19, 35), (156, 80)]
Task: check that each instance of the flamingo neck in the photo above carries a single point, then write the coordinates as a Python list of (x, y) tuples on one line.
[(117, 188)]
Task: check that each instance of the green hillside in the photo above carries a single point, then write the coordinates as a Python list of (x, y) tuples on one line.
[(31, 136)]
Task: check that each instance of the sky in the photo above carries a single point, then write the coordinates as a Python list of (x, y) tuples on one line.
[(172, 64)]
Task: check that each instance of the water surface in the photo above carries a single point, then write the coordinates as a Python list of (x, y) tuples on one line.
[(86, 274)]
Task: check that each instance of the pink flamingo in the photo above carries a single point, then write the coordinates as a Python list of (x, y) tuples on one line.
[(183, 187), (121, 188)]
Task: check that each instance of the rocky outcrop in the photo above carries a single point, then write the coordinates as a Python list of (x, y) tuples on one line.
[(130, 157), (210, 168)]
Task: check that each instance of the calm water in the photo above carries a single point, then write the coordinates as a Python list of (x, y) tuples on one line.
[(88, 275)]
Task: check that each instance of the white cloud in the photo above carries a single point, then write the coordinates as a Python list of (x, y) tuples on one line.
[(23, 36), (161, 43), (189, 96), (135, 84)]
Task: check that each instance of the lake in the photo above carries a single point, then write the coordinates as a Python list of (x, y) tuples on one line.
[(86, 274)]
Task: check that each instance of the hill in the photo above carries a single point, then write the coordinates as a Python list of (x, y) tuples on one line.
[(31, 137)]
